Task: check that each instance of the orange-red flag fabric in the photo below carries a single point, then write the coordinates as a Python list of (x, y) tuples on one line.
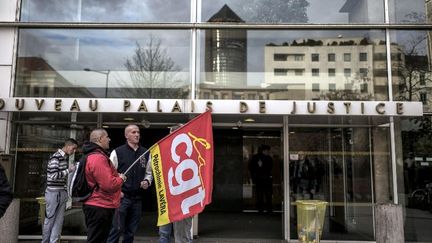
[(182, 164)]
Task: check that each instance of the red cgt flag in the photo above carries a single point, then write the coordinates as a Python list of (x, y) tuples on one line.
[(182, 164)]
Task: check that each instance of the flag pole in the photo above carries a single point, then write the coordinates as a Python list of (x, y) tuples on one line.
[(146, 152), (136, 161)]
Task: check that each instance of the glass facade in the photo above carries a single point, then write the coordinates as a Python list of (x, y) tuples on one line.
[(414, 169), (416, 11), (103, 63), (285, 65), (129, 11), (299, 11), (335, 165), (258, 50), (411, 69)]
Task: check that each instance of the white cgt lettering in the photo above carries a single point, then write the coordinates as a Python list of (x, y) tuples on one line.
[(192, 200), (179, 139), (187, 185), (184, 165)]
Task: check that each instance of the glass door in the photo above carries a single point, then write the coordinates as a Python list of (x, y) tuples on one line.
[(334, 165)]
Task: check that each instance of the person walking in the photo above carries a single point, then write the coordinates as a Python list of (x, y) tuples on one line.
[(56, 194), (5, 192), (127, 217), (100, 173)]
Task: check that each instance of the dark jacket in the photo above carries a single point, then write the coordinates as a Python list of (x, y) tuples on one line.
[(260, 167), (101, 172), (5, 192), (126, 156)]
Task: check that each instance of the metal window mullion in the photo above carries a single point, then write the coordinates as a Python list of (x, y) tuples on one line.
[(393, 160), (389, 66), (371, 164), (193, 62), (286, 187), (386, 11), (206, 25), (391, 119), (193, 52)]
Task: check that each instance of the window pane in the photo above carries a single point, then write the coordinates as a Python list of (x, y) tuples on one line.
[(331, 72), (280, 57), (412, 11), (280, 72), (347, 72), (242, 62), (329, 164), (127, 11), (414, 183), (292, 11), (363, 57), (347, 57), (332, 87), (411, 62), (103, 63)]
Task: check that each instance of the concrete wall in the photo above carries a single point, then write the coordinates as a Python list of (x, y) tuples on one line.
[(8, 13), (9, 223)]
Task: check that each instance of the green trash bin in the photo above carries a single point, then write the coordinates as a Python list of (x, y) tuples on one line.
[(310, 220)]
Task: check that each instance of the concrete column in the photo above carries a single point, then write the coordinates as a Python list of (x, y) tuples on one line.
[(389, 223), (8, 13), (9, 223), (382, 163)]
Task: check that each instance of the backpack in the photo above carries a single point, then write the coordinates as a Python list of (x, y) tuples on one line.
[(79, 188)]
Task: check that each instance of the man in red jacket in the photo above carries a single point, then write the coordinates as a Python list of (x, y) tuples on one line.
[(100, 206)]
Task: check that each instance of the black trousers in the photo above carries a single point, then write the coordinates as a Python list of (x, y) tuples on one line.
[(264, 191), (98, 221)]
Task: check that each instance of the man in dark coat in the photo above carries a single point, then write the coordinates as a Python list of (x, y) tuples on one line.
[(127, 217), (260, 167)]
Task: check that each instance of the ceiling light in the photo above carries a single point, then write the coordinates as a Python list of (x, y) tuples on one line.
[(249, 119), (128, 119)]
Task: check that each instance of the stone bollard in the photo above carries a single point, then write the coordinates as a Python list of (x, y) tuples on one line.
[(9, 223), (389, 223)]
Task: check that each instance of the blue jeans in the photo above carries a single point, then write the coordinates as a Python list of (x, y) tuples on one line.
[(54, 215), (165, 233), (126, 220)]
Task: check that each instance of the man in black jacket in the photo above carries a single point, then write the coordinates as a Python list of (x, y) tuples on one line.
[(128, 215), (260, 168), (5, 192)]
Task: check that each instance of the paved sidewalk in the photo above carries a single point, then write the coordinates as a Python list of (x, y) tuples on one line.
[(199, 240)]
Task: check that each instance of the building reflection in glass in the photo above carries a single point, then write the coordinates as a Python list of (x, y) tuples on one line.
[(225, 52), (330, 69)]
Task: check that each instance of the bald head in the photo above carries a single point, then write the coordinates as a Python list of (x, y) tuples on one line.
[(96, 134), (100, 137)]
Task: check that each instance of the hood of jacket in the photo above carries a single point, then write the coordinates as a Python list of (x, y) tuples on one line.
[(90, 147)]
